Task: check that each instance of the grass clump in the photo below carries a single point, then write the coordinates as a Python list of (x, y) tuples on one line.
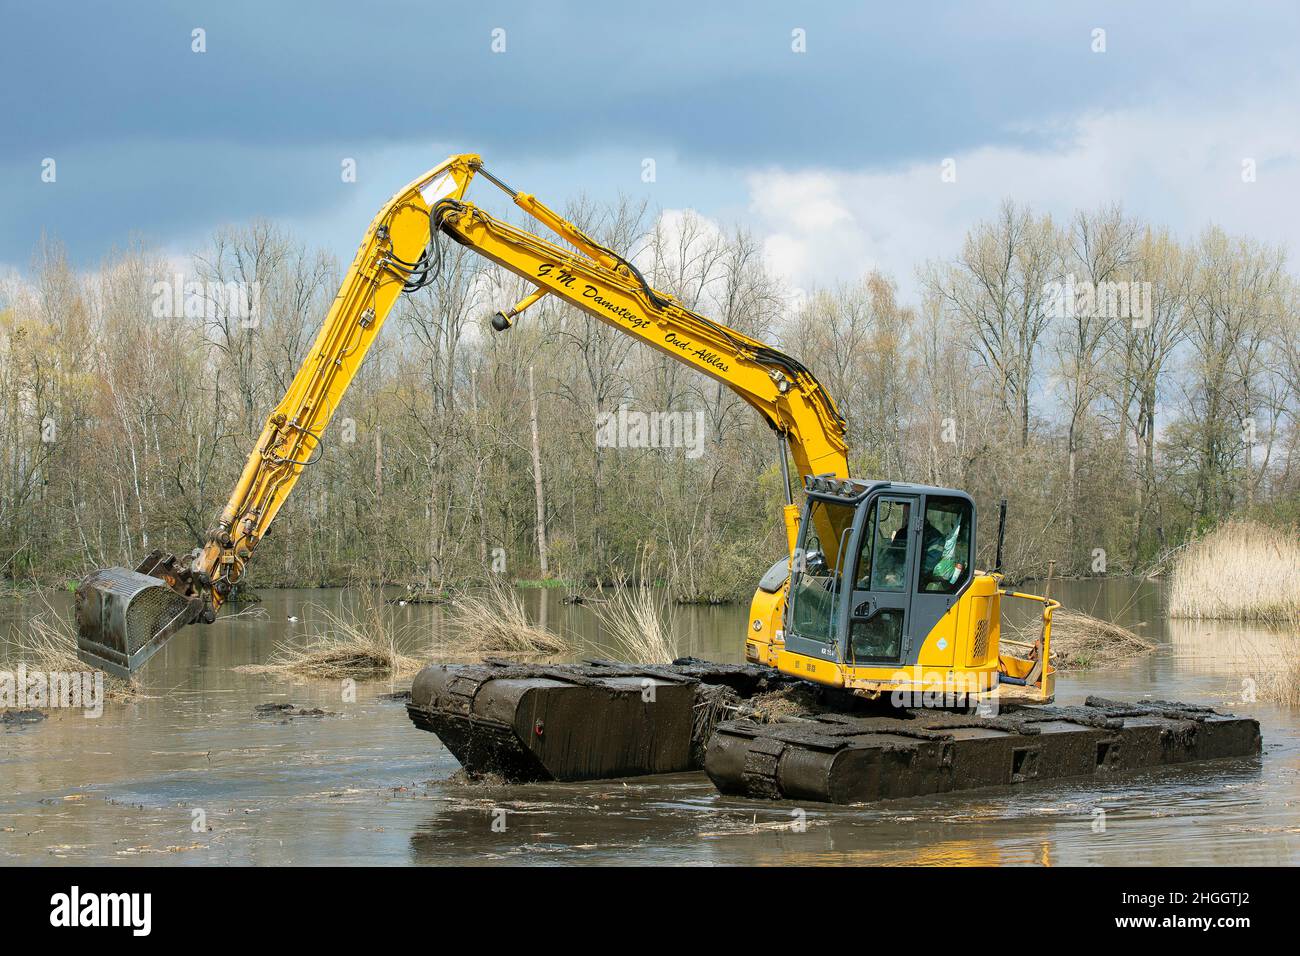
[(365, 642), (538, 584), (495, 620), (1081, 641), (1241, 571), (636, 617), (359, 642)]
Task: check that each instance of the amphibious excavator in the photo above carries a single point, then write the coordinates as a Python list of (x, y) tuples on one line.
[(878, 597)]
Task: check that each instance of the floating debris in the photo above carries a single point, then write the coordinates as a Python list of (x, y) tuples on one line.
[(11, 717), (289, 711)]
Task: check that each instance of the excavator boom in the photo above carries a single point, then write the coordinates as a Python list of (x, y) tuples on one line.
[(125, 616)]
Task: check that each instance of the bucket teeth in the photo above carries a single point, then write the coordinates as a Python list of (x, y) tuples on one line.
[(124, 618)]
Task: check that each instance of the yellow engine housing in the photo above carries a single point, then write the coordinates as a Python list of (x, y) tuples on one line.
[(960, 658)]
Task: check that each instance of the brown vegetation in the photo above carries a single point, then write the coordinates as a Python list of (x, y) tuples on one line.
[(360, 642), (1080, 641), (1277, 677), (494, 620), (1242, 571), (784, 703), (638, 619), (50, 645), (364, 641)]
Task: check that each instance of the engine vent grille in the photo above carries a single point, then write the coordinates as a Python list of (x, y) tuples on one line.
[(980, 646)]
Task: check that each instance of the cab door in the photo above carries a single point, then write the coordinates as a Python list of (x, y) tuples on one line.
[(819, 585), (885, 568)]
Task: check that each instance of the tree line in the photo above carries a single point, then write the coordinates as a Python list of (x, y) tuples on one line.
[(1123, 388)]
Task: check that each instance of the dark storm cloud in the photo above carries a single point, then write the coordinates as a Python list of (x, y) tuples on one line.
[(153, 138)]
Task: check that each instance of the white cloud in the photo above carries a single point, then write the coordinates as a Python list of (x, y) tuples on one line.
[(1168, 167)]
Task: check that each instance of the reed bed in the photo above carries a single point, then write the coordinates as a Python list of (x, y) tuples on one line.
[(1241, 571)]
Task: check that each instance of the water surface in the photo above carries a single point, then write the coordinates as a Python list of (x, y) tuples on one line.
[(363, 786)]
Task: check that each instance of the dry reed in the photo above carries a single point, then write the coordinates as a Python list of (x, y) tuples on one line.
[(1242, 571), (637, 618), (1080, 641), (1276, 676), (358, 642), (495, 620)]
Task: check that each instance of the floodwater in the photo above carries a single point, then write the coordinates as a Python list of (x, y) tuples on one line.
[(190, 775)]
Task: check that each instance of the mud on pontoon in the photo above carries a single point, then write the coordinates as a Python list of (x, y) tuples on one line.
[(603, 720)]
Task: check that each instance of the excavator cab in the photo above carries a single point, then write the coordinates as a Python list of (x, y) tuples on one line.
[(878, 564), (882, 596)]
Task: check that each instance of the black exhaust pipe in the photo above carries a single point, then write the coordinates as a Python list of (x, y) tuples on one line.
[(1002, 530)]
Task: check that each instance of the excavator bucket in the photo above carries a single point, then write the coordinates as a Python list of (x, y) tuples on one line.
[(124, 618)]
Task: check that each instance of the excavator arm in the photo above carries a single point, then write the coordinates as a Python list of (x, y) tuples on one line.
[(125, 616), (292, 437)]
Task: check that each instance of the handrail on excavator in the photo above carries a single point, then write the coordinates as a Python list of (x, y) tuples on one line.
[(1039, 651)]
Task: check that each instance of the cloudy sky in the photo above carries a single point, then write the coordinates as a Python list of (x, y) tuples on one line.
[(833, 155)]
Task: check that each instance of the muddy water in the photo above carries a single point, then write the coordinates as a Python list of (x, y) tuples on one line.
[(190, 775)]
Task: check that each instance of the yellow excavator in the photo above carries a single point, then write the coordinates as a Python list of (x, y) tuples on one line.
[(877, 595)]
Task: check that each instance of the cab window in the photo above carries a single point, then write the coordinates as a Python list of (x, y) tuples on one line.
[(882, 559), (945, 545), (816, 582)]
